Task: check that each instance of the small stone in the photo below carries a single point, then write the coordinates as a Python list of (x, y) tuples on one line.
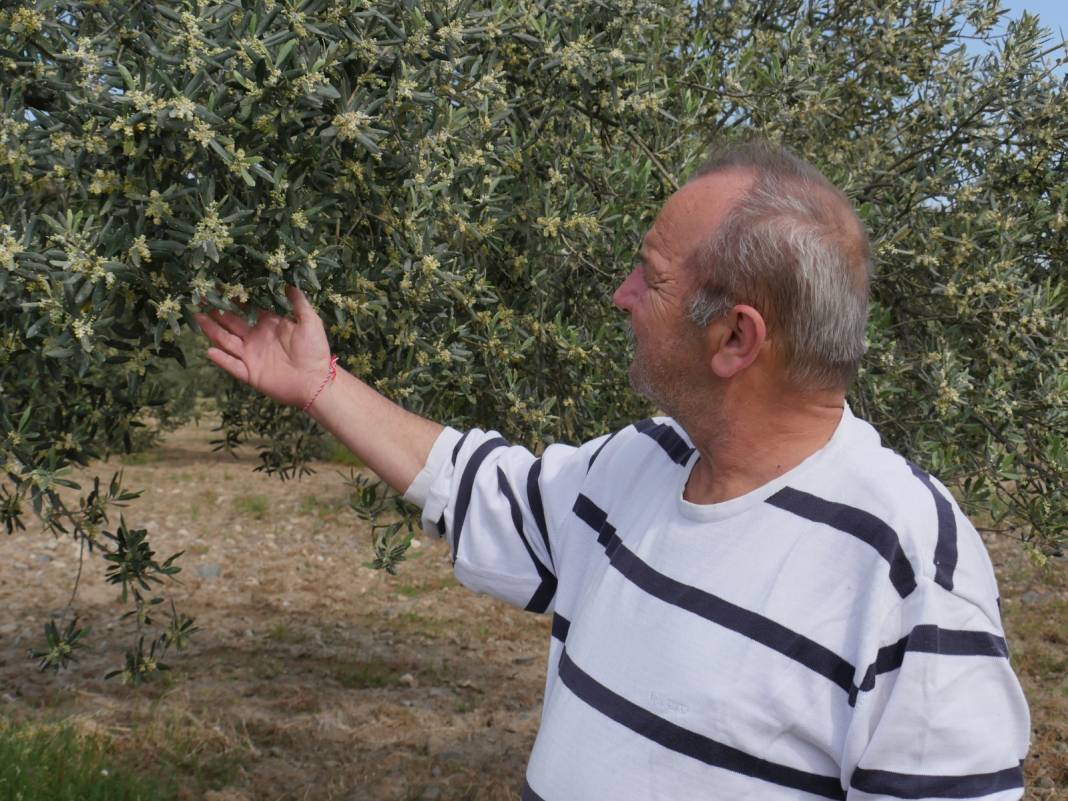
[(43, 558), (431, 793), (209, 571)]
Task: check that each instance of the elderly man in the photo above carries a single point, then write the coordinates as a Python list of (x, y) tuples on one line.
[(751, 598)]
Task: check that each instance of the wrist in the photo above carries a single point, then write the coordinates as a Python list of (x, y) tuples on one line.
[(328, 377)]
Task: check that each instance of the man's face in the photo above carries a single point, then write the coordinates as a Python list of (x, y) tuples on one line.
[(669, 359)]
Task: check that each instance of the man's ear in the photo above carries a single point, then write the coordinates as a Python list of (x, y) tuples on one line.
[(736, 340)]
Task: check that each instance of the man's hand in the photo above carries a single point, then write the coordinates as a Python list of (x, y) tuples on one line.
[(287, 360), (284, 359)]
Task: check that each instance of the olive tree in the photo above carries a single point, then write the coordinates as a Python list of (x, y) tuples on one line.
[(459, 186)]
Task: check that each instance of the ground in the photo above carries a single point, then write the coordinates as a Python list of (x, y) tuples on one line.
[(315, 677)]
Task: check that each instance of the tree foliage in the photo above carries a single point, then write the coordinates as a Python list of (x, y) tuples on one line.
[(459, 186)]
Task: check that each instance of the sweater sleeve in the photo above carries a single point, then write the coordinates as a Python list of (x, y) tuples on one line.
[(498, 507), (939, 713)]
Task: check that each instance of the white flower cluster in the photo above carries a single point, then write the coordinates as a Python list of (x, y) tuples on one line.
[(81, 258), (430, 264), (12, 150), (24, 20), (157, 208), (576, 54), (235, 292), (278, 261), (182, 108), (350, 123), (211, 230), (143, 101), (139, 248), (104, 182), (89, 61), (201, 285), (453, 32), (550, 226), (192, 39), (168, 308), (9, 248), (201, 133), (83, 330)]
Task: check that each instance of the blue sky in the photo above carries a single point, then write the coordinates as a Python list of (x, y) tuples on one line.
[(1053, 13)]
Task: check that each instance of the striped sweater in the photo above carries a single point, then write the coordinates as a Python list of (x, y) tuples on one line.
[(832, 634)]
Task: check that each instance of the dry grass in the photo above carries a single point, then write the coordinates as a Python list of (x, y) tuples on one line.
[(1035, 612), (317, 678)]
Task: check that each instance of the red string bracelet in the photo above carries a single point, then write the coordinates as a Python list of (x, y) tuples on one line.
[(330, 377)]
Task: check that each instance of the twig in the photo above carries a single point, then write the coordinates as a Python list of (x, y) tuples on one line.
[(77, 577)]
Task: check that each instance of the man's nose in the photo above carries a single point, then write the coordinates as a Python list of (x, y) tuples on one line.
[(624, 294)]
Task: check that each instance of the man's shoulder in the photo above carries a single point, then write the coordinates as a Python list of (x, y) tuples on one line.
[(908, 511), (659, 437), (885, 481)]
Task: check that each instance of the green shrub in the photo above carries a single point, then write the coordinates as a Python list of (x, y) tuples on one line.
[(460, 185)]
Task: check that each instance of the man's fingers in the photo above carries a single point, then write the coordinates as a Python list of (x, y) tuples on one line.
[(233, 323), (302, 309), (219, 336), (234, 367)]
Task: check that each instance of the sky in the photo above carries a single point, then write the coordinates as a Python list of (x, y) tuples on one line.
[(1053, 13)]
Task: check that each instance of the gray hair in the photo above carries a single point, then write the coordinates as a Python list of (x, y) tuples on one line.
[(794, 249)]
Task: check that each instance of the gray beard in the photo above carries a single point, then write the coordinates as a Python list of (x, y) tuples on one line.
[(672, 394), (646, 383), (639, 381)]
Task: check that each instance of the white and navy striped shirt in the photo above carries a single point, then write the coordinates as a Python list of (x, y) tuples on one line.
[(832, 634)]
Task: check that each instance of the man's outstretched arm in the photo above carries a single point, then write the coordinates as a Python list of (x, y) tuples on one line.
[(287, 360)]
